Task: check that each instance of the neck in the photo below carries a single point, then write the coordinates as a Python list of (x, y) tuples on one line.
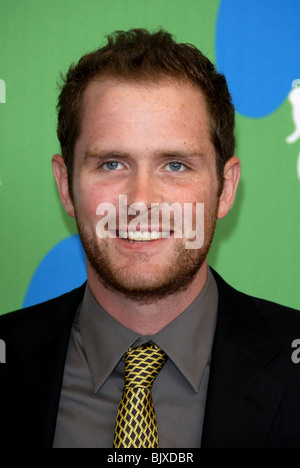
[(146, 319)]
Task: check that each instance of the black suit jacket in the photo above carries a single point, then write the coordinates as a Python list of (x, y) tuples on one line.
[(254, 387)]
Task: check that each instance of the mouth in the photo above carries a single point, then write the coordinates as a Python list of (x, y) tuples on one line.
[(143, 236)]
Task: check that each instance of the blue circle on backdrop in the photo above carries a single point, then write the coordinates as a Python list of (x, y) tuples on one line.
[(258, 50), (60, 271)]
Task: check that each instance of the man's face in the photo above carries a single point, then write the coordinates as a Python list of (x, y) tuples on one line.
[(152, 144)]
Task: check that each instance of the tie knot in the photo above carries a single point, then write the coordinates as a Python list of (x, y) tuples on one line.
[(142, 365)]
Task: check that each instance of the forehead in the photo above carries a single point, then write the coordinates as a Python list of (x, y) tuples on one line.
[(173, 92), (155, 111)]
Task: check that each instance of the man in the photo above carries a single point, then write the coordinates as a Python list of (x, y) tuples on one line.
[(149, 123)]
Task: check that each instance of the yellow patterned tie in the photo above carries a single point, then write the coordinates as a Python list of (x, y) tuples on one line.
[(136, 425)]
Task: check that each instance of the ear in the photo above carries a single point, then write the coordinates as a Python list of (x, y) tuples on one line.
[(61, 176), (231, 177)]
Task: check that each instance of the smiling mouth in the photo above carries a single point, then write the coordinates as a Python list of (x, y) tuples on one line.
[(142, 236)]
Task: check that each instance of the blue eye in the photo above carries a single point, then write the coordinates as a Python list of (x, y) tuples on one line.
[(176, 166), (113, 165)]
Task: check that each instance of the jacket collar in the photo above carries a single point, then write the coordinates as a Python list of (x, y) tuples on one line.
[(243, 395), (49, 319), (241, 320)]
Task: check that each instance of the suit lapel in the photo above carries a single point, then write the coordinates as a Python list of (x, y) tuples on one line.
[(242, 395), (38, 351)]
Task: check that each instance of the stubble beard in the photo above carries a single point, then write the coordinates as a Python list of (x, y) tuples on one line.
[(144, 287)]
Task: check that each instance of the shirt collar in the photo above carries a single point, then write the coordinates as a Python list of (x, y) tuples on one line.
[(187, 340), (105, 340)]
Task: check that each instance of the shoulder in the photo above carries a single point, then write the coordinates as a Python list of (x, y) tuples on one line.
[(283, 321), (51, 311)]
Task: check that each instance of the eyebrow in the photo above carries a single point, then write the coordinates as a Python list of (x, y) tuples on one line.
[(182, 154), (103, 154)]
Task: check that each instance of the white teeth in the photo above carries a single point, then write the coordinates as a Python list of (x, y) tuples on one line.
[(143, 235), (123, 234)]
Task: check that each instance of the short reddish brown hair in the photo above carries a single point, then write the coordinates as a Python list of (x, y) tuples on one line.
[(141, 55)]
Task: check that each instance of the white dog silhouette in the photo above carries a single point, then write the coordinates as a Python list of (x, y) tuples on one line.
[(294, 98)]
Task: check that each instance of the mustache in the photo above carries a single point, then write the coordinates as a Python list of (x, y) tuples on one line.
[(160, 218), (144, 220)]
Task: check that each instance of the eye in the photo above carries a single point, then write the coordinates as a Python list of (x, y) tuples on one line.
[(175, 166), (113, 165)]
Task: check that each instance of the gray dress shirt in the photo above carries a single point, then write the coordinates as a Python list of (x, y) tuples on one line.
[(94, 372)]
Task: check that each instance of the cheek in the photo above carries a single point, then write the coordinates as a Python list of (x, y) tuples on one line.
[(88, 196), (186, 191), (196, 192), (204, 192)]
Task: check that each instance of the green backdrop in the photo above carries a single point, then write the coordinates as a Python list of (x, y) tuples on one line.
[(256, 247)]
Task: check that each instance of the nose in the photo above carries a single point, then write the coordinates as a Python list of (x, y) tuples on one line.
[(144, 189)]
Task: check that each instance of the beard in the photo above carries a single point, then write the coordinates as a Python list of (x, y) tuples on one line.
[(142, 285)]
